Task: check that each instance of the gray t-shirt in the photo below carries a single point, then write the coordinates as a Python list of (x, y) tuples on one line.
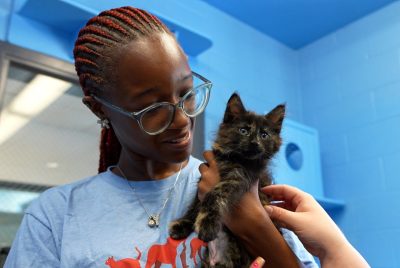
[(99, 222)]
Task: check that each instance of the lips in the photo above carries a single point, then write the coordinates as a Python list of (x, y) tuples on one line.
[(179, 139)]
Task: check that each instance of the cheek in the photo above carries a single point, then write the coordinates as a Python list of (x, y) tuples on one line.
[(129, 132)]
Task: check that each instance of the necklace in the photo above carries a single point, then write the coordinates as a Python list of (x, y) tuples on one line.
[(153, 219)]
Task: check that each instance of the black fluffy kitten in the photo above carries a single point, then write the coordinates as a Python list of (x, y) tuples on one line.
[(244, 146)]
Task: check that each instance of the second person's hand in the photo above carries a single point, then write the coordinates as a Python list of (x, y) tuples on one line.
[(302, 214)]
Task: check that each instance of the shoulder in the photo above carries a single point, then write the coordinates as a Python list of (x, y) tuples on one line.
[(53, 202), (192, 169), (194, 164)]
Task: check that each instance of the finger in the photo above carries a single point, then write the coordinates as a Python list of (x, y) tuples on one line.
[(280, 190), (203, 167), (209, 158), (295, 198), (283, 217), (201, 193), (286, 193), (257, 263), (283, 204)]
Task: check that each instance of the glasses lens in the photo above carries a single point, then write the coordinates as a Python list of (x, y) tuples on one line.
[(157, 118), (196, 101)]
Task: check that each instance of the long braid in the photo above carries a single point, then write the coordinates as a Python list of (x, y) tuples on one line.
[(94, 52)]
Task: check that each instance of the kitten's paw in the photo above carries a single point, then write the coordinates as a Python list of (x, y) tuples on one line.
[(208, 235), (207, 227), (180, 229)]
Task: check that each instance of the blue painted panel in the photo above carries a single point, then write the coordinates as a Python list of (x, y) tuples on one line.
[(344, 115), (382, 32), (61, 15), (391, 163), (354, 180), (360, 130), (379, 248), (333, 149), (323, 92), (375, 72), (308, 176), (387, 106), (5, 8), (58, 22), (294, 30), (342, 57), (192, 43), (375, 139), (46, 40)]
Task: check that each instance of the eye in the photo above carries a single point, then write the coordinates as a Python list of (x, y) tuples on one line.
[(264, 135), (182, 93), (243, 131)]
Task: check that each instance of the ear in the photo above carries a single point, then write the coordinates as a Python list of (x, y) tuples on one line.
[(234, 108), (94, 106), (276, 117)]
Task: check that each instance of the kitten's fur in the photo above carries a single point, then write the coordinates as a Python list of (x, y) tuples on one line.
[(244, 146)]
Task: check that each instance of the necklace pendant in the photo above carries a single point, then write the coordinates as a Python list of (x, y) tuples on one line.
[(154, 221)]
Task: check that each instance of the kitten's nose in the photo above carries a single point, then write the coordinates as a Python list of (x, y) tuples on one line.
[(254, 147)]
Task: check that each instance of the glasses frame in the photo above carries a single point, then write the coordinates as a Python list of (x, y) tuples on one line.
[(138, 115)]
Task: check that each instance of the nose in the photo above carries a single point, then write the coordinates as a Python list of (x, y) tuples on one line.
[(180, 120), (253, 146)]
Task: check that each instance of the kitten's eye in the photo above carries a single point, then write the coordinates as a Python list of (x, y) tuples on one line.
[(264, 135), (243, 131)]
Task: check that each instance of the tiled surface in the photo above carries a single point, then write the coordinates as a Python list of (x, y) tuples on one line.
[(351, 94)]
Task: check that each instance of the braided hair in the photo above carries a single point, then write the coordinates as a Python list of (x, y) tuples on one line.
[(95, 53)]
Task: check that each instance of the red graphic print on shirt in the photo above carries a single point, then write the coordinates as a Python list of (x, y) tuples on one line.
[(160, 254), (125, 263), (165, 253), (195, 248)]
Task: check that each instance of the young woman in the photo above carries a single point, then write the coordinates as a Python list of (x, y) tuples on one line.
[(138, 82)]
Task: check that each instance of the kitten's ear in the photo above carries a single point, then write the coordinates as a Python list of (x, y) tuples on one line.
[(234, 108), (276, 116)]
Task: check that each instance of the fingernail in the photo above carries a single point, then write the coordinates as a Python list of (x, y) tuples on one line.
[(269, 210), (257, 263)]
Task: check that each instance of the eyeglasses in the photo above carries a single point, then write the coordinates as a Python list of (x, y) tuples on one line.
[(157, 117)]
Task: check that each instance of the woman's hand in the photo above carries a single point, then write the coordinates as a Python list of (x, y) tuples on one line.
[(209, 175), (302, 214), (257, 263), (249, 206)]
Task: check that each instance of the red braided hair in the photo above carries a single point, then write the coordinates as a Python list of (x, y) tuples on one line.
[(95, 46)]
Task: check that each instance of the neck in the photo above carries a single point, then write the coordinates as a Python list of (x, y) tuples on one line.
[(143, 169)]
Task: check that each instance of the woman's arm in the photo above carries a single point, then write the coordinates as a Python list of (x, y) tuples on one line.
[(250, 222), (302, 214)]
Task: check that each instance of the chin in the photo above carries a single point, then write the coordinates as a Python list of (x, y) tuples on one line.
[(184, 155), (178, 156)]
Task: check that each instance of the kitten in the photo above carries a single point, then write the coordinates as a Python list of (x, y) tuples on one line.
[(244, 146)]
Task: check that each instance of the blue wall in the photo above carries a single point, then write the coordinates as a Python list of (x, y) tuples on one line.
[(347, 85), (350, 84)]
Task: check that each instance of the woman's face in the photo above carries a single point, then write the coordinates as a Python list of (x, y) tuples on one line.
[(152, 70)]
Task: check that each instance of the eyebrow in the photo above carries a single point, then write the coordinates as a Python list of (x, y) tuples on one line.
[(146, 92), (186, 76)]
